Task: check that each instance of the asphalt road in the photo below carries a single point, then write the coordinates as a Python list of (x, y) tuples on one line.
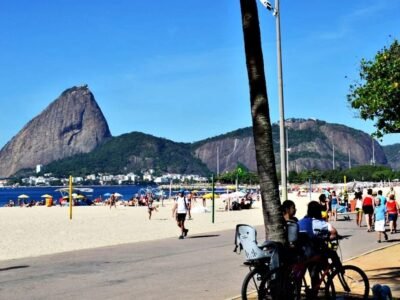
[(199, 267)]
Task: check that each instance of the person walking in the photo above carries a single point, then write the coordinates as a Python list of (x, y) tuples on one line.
[(324, 206), (381, 197), (179, 211), (391, 192), (189, 207), (392, 210), (334, 205), (358, 206), (380, 218), (368, 209)]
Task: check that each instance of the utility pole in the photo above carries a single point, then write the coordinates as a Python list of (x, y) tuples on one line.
[(217, 161), (373, 152), (349, 160), (281, 106), (287, 156)]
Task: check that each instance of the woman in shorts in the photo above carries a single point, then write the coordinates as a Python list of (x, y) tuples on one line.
[(358, 208), (334, 205), (392, 210), (368, 209)]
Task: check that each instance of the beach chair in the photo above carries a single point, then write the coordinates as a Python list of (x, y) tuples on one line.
[(343, 211)]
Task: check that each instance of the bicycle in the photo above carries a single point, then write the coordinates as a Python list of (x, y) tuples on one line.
[(323, 273)]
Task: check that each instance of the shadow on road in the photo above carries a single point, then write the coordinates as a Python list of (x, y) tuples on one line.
[(13, 268), (393, 240), (386, 276), (203, 236)]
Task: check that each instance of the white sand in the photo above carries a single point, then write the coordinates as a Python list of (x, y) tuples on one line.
[(27, 232), (35, 231)]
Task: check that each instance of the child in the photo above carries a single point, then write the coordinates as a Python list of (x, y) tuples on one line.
[(380, 218)]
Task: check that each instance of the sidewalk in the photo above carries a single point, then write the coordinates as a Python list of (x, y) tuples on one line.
[(381, 266)]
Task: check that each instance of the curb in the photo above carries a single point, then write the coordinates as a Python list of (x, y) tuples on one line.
[(371, 251)]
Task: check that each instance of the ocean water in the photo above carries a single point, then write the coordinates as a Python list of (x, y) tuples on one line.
[(127, 191), (35, 193)]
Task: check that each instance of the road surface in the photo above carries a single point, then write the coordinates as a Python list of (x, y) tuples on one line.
[(199, 267)]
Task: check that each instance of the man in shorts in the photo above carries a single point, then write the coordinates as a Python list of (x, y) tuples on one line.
[(179, 211), (380, 218)]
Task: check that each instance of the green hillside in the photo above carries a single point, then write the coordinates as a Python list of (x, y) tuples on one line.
[(132, 152)]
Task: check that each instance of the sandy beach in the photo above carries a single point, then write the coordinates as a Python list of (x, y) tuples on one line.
[(35, 231)]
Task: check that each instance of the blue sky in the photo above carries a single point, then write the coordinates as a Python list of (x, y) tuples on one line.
[(176, 69)]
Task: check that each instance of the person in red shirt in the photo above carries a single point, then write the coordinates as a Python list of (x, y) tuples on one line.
[(368, 208), (392, 210)]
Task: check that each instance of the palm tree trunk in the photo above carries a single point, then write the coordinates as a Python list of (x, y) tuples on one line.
[(262, 130)]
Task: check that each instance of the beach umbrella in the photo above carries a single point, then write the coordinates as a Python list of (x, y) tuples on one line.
[(107, 194), (117, 195), (209, 196), (80, 197), (46, 196), (23, 196)]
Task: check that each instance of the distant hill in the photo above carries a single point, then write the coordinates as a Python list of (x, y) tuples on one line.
[(393, 155), (71, 136), (312, 144), (132, 152)]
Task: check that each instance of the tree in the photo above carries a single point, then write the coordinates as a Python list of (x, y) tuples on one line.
[(262, 129), (377, 94)]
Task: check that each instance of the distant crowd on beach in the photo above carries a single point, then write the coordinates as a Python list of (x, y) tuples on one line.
[(379, 209), (25, 203)]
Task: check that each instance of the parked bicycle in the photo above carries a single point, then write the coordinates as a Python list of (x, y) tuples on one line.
[(278, 272)]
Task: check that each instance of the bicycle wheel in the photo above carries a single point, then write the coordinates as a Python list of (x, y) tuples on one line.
[(280, 284), (315, 281), (251, 283), (348, 282)]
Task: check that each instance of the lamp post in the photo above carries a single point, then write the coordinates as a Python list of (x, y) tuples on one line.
[(276, 12)]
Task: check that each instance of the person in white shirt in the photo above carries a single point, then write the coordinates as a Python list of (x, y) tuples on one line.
[(179, 211)]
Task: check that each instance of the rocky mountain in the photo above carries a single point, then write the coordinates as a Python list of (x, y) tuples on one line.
[(393, 155), (313, 144), (72, 124)]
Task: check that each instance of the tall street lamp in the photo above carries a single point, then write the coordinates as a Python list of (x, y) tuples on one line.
[(276, 12)]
